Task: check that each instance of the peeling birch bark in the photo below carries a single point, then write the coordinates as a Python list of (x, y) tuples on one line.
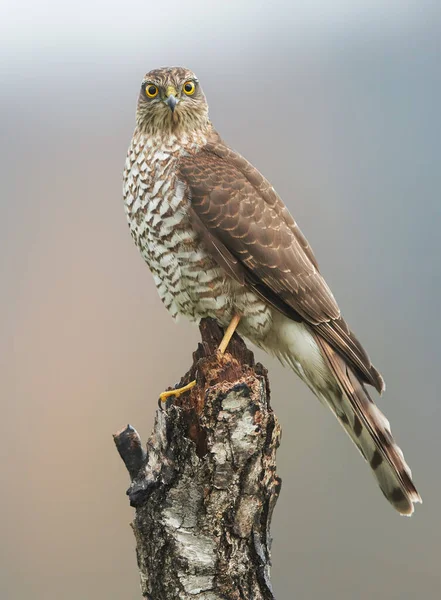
[(205, 490)]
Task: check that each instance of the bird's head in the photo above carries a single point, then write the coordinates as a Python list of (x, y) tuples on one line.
[(171, 99)]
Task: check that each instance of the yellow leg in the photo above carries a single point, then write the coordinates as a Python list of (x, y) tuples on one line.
[(222, 347), (177, 392), (228, 334)]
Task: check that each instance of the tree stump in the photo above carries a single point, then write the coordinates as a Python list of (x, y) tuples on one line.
[(205, 489)]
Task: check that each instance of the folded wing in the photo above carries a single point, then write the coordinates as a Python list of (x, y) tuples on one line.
[(252, 235)]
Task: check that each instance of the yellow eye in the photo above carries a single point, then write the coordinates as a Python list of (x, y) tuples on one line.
[(189, 88), (151, 90)]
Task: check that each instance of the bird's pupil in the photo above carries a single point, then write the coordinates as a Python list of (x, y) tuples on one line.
[(152, 90), (188, 87)]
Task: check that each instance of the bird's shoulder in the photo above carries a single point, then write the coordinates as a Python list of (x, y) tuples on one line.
[(218, 170)]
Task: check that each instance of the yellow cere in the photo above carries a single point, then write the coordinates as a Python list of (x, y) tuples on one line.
[(189, 88), (171, 91)]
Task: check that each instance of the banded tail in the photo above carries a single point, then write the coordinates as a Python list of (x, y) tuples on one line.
[(370, 431)]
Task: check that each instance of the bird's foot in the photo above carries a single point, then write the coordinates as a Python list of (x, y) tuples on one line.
[(177, 392), (220, 351)]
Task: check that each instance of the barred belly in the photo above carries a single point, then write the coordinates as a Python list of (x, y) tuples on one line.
[(190, 283), (193, 285)]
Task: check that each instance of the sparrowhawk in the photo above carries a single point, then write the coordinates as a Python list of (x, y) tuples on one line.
[(220, 243)]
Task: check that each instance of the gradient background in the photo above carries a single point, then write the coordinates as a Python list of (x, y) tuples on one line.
[(338, 103)]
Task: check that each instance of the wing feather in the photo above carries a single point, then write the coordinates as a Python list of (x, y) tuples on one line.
[(252, 235)]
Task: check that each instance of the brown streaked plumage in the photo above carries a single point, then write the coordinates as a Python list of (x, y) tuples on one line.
[(219, 242)]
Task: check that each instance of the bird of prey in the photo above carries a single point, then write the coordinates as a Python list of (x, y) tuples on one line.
[(220, 243)]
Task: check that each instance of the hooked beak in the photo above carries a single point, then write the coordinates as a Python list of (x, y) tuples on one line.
[(171, 99)]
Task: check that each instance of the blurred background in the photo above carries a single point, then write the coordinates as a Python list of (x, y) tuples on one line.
[(337, 102)]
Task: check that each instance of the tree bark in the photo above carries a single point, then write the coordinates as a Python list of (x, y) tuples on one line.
[(205, 490)]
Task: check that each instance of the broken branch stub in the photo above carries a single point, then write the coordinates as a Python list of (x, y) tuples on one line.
[(205, 490)]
